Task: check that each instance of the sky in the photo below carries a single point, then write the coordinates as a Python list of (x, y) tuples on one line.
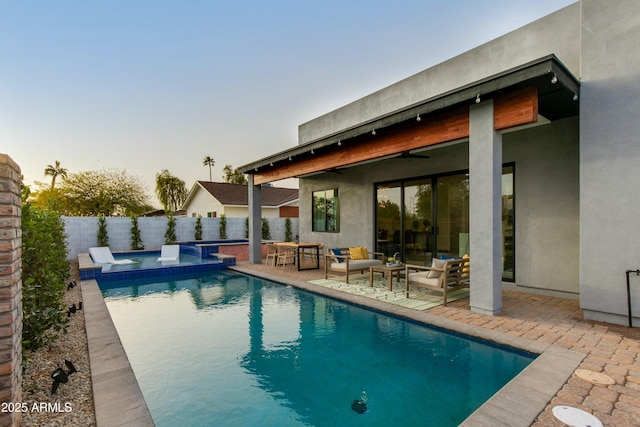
[(147, 85)]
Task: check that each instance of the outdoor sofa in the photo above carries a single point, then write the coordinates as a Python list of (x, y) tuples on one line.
[(343, 261)]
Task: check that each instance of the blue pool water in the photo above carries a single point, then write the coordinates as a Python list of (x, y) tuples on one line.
[(226, 349)]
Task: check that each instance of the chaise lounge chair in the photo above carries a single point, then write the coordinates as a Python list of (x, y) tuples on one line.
[(103, 255), (169, 253), (342, 261), (443, 276)]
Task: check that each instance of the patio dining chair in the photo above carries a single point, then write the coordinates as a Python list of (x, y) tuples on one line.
[(285, 256), (272, 251)]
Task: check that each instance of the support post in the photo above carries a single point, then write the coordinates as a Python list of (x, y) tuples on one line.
[(485, 210), (255, 222)]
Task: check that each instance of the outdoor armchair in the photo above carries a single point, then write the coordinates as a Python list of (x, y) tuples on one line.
[(442, 276)]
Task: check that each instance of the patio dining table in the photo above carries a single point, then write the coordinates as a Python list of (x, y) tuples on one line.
[(300, 248)]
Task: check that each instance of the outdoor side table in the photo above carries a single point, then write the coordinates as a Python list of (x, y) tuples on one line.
[(389, 270)]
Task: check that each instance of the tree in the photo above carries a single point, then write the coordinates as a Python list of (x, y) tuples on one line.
[(170, 234), (234, 176), (136, 240), (288, 234), (55, 171), (198, 228), (102, 238), (208, 161), (102, 192), (223, 226), (171, 191)]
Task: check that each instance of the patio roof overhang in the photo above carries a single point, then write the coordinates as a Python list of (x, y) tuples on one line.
[(544, 87)]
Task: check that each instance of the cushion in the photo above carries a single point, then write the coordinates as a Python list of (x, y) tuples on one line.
[(465, 270), (337, 251), (436, 263), (358, 253), (354, 265), (422, 278)]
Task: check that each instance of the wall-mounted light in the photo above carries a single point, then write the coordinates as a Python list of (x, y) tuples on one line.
[(312, 152), (289, 158), (418, 118), (373, 132), (339, 143), (554, 79), (575, 96), (271, 164), (478, 99)]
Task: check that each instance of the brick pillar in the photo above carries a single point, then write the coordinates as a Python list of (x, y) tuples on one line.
[(10, 289)]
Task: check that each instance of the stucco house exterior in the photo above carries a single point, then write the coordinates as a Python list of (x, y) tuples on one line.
[(522, 152), (214, 199)]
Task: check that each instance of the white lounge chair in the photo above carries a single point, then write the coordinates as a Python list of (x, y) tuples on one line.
[(169, 253), (103, 255)]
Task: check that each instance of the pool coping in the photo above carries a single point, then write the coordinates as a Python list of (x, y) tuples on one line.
[(521, 400), (117, 397)]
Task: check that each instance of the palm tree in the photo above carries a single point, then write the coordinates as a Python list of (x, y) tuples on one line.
[(208, 161), (54, 172)]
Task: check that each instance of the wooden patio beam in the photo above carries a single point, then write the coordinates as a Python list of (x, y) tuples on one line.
[(512, 109)]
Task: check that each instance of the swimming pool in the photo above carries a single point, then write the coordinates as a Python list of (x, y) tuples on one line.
[(230, 349)]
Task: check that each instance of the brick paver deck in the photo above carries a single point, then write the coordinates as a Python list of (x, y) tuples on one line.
[(609, 349)]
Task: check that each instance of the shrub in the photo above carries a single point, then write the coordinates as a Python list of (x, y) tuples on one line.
[(288, 235), (136, 240), (246, 228), (103, 236), (170, 235), (223, 226), (266, 234), (45, 270), (198, 233)]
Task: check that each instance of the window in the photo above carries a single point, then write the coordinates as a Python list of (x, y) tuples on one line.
[(325, 211)]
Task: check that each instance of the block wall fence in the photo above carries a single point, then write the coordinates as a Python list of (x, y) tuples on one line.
[(10, 289), (82, 232)]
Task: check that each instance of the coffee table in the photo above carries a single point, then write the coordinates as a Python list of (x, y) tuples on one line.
[(388, 270)]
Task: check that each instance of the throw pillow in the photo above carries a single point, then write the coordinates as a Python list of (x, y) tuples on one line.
[(436, 263), (337, 251), (358, 253)]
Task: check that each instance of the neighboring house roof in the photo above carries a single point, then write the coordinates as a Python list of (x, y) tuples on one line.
[(237, 194)]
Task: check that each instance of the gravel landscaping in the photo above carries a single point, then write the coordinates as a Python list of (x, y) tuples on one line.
[(72, 403)]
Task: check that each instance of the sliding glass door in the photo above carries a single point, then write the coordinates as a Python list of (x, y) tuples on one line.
[(452, 227), (422, 218), (418, 222)]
